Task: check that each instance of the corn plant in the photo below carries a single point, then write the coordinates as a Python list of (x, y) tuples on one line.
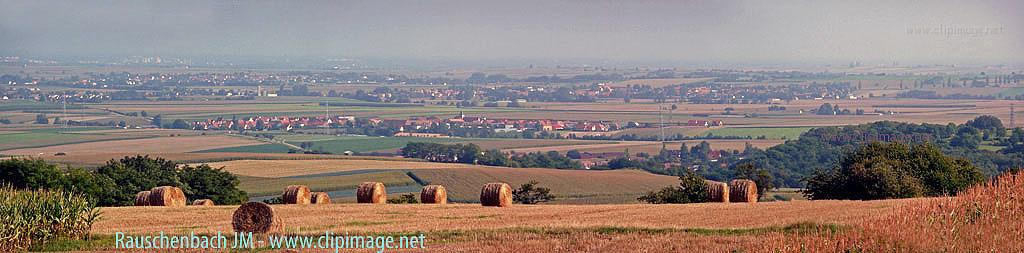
[(34, 217)]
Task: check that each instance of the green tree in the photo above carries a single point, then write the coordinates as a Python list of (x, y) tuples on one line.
[(827, 109), (180, 124), (29, 173), (98, 189), (493, 157), (218, 185), (691, 189), (574, 154), (761, 177), (41, 119), (893, 170), (529, 193), (991, 125), (139, 173)]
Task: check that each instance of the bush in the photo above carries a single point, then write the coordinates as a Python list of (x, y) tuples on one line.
[(407, 198), (529, 193), (691, 189), (278, 200), (35, 217)]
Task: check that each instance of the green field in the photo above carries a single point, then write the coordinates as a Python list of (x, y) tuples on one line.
[(21, 105), (788, 133), (56, 136), (1010, 92)]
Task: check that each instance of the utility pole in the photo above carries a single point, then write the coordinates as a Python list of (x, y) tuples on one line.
[(1011, 117), (661, 122), (64, 103)]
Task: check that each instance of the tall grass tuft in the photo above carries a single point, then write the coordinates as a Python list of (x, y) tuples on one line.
[(985, 218), (34, 217)]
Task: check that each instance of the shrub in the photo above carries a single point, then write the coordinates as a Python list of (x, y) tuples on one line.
[(406, 198), (35, 217), (691, 189), (529, 193)]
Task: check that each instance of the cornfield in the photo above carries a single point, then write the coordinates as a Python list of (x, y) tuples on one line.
[(34, 217)]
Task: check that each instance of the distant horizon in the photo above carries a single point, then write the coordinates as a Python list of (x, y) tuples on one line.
[(383, 62), (656, 33)]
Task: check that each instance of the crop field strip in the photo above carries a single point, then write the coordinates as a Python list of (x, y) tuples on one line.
[(462, 180), (437, 219)]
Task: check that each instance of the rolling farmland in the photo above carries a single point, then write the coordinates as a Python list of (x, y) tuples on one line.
[(463, 181)]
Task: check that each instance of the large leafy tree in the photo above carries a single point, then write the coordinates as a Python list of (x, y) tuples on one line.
[(893, 170), (760, 176), (215, 184), (29, 173), (139, 173)]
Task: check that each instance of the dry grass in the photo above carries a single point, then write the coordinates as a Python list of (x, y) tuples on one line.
[(462, 181), (434, 218), (984, 218)]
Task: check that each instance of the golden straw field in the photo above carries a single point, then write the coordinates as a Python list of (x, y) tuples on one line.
[(467, 226)]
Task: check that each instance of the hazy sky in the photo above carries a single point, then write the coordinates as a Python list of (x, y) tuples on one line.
[(639, 31)]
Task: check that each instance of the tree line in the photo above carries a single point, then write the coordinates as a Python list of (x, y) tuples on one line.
[(116, 182), (473, 154)]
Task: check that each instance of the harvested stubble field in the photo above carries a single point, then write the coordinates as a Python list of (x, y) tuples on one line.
[(470, 227), (462, 181), (269, 187)]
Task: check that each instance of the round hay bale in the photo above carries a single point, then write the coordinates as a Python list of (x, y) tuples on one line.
[(320, 198), (256, 217), (742, 190), (371, 192), (142, 198), (203, 202), (296, 194), (166, 196), (717, 191), (496, 194), (434, 194)]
